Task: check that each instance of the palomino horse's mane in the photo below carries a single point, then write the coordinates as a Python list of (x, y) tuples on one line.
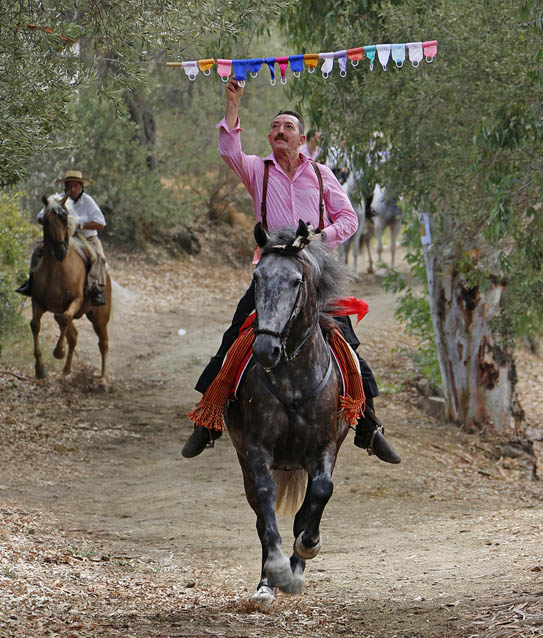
[(55, 201), (328, 273)]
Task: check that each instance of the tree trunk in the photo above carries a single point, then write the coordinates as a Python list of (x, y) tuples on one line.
[(479, 375), (141, 114)]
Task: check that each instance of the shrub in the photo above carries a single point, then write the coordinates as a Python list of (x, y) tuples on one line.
[(16, 235)]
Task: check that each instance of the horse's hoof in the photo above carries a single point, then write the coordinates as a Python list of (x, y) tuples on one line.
[(263, 596), (102, 384), (278, 571), (296, 585), (41, 374), (59, 353), (306, 552)]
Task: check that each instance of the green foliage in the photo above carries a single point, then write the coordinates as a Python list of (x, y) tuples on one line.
[(116, 43), (465, 133), (16, 234), (105, 146)]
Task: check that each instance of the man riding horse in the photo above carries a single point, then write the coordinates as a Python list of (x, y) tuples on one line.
[(90, 221), (287, 187)]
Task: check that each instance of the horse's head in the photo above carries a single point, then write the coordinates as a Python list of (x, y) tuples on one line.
[(292, 282), (56, 232)]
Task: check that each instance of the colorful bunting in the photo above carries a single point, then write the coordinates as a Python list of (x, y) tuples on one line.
[(430, 49), (398, 54), (271, 63), (224, 68), (417, 51), (240, 70), (254, 66), (191, 69), (355, 55)]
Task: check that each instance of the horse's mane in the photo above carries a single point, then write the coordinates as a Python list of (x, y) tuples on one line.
[(73, 219), (329, 274)]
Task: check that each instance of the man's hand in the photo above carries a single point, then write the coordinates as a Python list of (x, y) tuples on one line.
[(234, 93)]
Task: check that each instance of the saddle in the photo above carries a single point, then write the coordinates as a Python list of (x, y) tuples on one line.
[(209, 411)]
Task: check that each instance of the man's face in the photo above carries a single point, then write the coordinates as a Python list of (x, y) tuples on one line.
[(284, 135), (73, 188)]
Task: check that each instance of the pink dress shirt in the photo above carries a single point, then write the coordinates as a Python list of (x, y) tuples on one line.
[(288, 200)]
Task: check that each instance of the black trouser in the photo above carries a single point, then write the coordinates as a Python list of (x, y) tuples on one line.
[(245, 306)]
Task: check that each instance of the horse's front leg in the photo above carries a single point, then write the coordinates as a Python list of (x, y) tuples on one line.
[(35, 323), (308, 541), (71, 336), (297, 563), (261, 492), (67, 329)]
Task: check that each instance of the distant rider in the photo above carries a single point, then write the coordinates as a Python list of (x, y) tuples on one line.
[(91, 220)]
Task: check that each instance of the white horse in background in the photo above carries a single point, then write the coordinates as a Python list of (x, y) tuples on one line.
[(375, 214), (387, 214)]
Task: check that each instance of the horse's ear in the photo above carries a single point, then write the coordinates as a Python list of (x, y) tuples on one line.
[(261, 236), (302, 230), (64, 199), (45, 200), (304, 234)]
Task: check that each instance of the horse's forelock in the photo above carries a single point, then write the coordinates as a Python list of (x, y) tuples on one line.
[(62, 207), (327, 273)]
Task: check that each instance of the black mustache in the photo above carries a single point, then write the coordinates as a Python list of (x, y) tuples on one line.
[(280, 137)]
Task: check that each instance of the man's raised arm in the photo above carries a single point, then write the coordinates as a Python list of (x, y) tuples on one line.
[(234, 93)]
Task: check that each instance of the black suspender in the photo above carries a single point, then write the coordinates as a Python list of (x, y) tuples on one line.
[(263, 210)]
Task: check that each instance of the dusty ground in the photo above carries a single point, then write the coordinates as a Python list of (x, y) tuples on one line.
[(106, 531)]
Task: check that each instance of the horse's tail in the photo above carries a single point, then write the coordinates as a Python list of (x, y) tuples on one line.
[(291, 486)]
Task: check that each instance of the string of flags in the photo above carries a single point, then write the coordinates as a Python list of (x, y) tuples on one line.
[(416, 51)]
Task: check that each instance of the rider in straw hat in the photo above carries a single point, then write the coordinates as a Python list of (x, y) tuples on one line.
[(91, 220)]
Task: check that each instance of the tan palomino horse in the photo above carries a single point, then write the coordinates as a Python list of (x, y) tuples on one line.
[(58, 287)]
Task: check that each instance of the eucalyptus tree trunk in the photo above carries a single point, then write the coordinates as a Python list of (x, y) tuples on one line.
[(478, 373)]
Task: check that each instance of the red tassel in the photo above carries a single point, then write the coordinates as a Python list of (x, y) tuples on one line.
[(350, 306)]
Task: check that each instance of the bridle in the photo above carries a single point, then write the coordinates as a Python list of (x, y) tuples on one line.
[(285, 332), (60, 242)]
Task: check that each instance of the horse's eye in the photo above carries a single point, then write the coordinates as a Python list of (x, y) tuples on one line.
[(297, 282)]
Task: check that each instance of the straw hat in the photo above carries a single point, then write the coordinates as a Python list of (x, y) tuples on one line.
[(74, 176)]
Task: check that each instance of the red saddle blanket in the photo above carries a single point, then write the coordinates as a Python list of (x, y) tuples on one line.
[(209, 411)]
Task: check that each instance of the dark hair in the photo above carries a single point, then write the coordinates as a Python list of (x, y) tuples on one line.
[(301, 126), (310, 134)]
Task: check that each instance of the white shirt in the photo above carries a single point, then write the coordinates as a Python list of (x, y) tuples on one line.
[(86, 209), (307, 152)]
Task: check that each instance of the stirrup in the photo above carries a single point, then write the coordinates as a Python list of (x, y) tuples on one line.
[(369, 449)]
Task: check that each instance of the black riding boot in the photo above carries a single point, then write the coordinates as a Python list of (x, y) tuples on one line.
[(26, 288), (97, 297), (198, 441), (370, 436)]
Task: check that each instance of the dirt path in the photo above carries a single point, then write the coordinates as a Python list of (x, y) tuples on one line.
[(106, 531)]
